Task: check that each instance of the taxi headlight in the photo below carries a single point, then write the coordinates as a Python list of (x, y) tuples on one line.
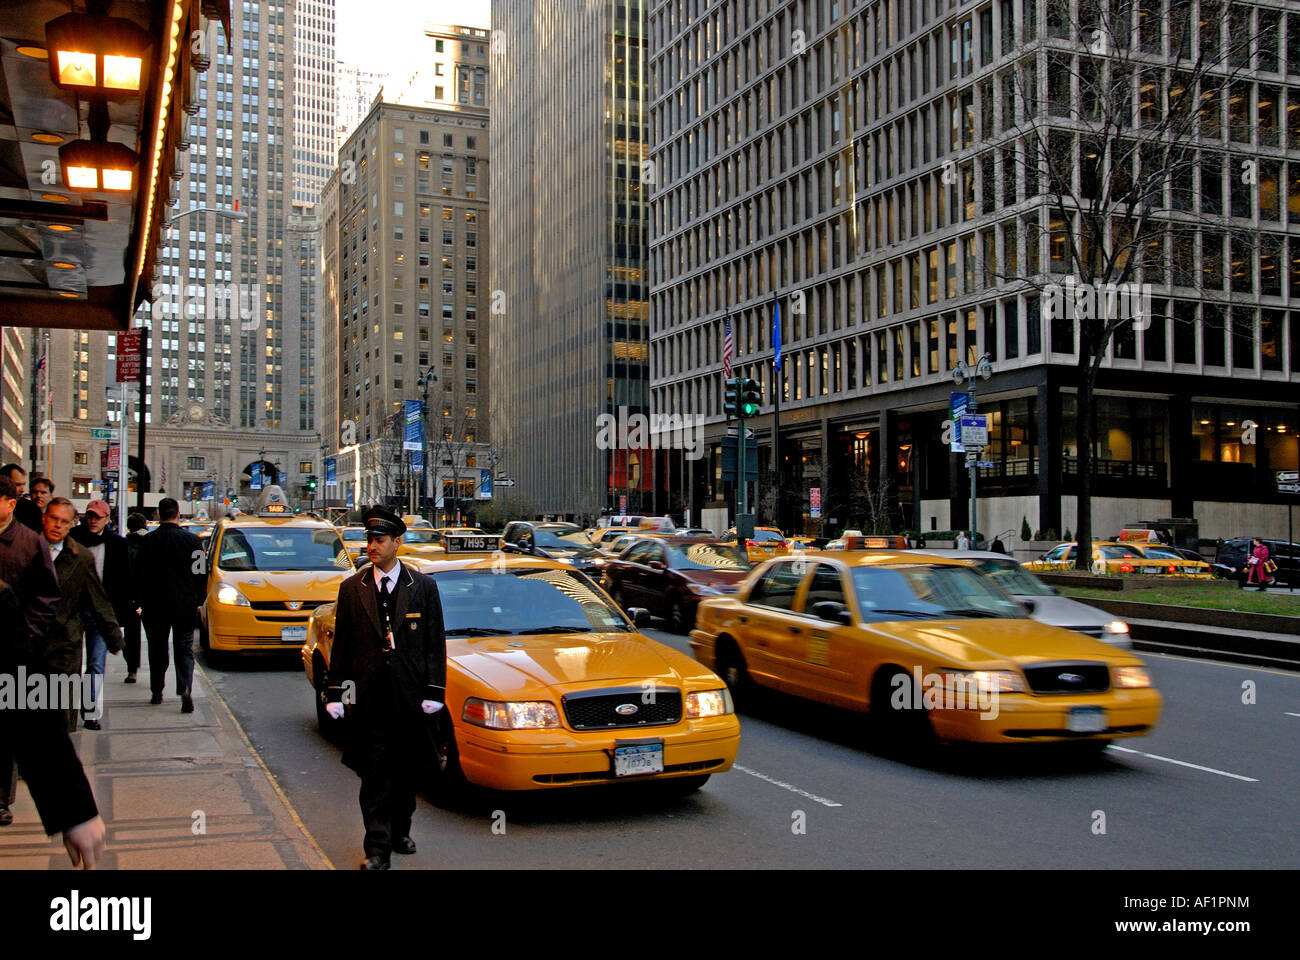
[(231, 596), (1131, 678), (709, 703), (990, 681), (518, 715), (1117, 626)]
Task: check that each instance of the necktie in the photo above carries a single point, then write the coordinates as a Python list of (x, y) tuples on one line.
[(385, 602)]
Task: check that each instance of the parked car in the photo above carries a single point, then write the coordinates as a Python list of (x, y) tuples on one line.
[(553, 541), (1043, 602), (670, 575), (1233, 555)]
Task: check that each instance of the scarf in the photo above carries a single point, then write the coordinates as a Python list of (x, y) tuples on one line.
[(81, 533)]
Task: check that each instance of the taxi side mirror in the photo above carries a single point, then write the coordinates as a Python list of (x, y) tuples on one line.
[(1029, 606), (832, 611), (657, 565), (640, 616)]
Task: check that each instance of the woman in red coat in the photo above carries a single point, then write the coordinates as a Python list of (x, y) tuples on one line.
[(1256, 573)]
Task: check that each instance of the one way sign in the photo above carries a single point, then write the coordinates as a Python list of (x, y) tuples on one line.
[(503, 482)]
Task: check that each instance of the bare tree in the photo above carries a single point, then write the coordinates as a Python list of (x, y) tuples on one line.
[(1111, 111), (454, 427), (867, 501)]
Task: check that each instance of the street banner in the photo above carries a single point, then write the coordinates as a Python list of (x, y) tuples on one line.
[(776, 333), (417, 460), (209, 490), (485, 484), (413, 435), (959, 406), (256, 476), (331, 472), (351, 501)]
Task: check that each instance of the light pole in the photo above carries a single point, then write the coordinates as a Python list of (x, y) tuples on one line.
[(982, 368), (426, 379)]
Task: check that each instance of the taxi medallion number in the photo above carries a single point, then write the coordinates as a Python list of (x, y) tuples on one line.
[(1086, 720), (293, 635), (638, 760)]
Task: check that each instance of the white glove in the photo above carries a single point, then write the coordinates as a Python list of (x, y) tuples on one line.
[(335, 710), (430, 706)]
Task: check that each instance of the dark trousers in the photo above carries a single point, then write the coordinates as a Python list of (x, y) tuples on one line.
[(182, 636), (36, 742), (131, 640), (387, 790)]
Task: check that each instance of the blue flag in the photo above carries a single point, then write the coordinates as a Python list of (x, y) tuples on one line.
[(776, 332)]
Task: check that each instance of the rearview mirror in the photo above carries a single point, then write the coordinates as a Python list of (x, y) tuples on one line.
[(832, 611)]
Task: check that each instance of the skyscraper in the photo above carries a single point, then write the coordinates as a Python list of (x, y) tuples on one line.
[(315, 99), (570, 310)]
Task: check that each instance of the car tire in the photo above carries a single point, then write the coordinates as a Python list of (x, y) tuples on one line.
[(734, 673), (907, 728), (677, 617)]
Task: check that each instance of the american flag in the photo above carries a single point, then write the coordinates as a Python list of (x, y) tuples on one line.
[(41, 366), (728, 347)]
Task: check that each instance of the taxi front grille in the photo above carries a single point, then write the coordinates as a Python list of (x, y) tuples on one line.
[(599, 709), (1068, 678), (284, 604)]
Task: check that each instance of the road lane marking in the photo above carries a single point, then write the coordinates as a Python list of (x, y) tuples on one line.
[(1293, 714), (1184, 763), (787, 786), (1221, 663)]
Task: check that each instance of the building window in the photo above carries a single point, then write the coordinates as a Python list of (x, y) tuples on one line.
[(194, 463)]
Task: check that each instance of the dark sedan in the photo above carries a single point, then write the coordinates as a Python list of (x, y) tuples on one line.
[(669, 576)]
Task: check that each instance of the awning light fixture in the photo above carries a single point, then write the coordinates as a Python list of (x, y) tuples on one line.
[(98, 165), (96, 57)]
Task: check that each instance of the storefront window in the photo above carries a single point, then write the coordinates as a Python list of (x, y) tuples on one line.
[(1260, 436)]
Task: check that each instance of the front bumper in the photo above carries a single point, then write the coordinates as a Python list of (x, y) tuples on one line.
[(542, 759), (1021, 718)]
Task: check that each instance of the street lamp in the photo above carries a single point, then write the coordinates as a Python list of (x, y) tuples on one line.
[(983, 368), (426, 380)]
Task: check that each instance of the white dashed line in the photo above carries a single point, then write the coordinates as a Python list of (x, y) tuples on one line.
[(787, 786), (1184, 763), (1293, 714)]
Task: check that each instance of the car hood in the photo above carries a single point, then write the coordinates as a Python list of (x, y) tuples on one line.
[(319, 585), (976, 643), (569, 661), (1064, 612)]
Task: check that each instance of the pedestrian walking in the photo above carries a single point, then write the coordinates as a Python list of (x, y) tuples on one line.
[(390, 651), (42, 492), (112, 559), (26, 511), (84, 607), (137, 528), (997, 546), (1261, 566), (171, 584), (36, 742), (962, 542)]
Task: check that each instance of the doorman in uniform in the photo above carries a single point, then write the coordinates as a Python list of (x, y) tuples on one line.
[(388, 671)]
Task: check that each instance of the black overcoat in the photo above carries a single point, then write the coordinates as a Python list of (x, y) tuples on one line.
[(386, 698)]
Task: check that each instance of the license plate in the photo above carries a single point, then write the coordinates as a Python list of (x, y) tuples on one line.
[(641, 759), (1086, 720), (1150, 570), (293, 634)]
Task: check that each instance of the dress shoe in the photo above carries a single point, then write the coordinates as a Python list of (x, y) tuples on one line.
[(130, 678), (404, 845), (6, 817), (187, 703), (155, 699), (91, 724), (375, 863)]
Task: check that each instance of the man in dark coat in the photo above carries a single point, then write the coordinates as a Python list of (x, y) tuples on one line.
[(26, 511), (112, 561), (171, 585), (85, 605), (389, 664), (37, 740)]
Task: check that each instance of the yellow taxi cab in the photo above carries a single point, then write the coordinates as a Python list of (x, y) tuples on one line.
[(604, 536), (1107, 558), (461, 531), (1174, 563), (927, 646), (354, 540), (767, 542), (550, 684), (265, 575)]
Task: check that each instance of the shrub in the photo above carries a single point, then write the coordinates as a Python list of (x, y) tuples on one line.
[(1025, 532)]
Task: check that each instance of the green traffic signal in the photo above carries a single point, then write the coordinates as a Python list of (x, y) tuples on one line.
[(311, 482), (750, 398)]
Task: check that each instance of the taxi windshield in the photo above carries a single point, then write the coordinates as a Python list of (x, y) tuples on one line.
[(1013, 578), (929, 592), (421, 535), (763, 536), (281, 548), (355, 534), (492, 603), (706, 556), (1119, 553), (567, 543)]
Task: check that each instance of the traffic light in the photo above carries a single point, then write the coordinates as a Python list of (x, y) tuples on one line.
[(311, 482), (732, 405), (750, 398)]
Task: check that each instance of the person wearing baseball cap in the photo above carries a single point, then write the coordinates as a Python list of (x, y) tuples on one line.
[(112, 559), (390, 652)]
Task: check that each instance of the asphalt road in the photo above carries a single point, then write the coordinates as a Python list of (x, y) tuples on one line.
[(1214, 786)]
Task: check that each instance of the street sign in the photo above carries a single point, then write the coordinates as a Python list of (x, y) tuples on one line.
[(975, 430), (509, 482), (984, 463), (1288, 476), (815, 502), (114, 457), (1288, 488), (101, 433), (128, 357)]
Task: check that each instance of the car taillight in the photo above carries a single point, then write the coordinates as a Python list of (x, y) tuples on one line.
[(1172, 568), (1126, 568), (751, 543)]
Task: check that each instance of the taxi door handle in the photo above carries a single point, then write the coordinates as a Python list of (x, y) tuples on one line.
[(794, 629), (744, 619)]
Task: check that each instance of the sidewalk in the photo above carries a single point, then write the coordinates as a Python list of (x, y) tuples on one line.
[(176, 791)]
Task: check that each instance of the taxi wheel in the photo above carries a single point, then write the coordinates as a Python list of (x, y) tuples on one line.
[(731, 667), (904, 727)]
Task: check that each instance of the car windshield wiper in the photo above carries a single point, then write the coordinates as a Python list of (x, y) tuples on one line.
[(970, 612), (556, 629), (906, 613), (478, 632)]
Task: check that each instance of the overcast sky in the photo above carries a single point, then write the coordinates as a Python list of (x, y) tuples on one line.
[(383, 35)]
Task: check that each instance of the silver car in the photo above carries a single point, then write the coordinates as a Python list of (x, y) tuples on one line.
[(1047, 606)]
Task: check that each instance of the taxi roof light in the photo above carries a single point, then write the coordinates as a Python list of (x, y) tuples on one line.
[(272, 503)]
